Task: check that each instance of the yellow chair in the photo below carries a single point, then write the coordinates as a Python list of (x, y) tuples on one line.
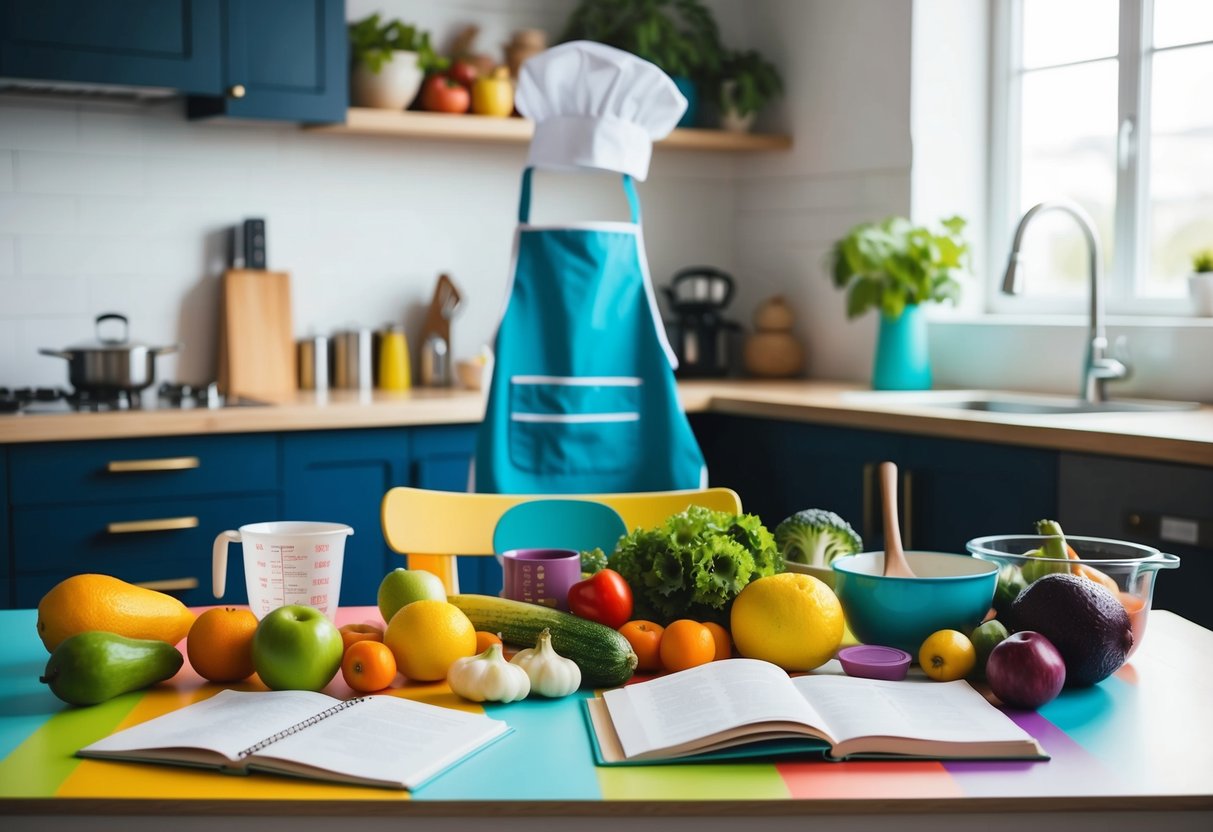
[(430, 526)]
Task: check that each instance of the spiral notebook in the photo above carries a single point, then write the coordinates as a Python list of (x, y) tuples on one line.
[(383, 741)]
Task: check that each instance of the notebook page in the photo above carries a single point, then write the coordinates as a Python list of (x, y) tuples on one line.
[(227, 723), (387, 738), (681, 707), (935, 711)]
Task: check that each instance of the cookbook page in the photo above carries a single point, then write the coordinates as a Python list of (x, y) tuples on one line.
[(675, 713), (227, 723)]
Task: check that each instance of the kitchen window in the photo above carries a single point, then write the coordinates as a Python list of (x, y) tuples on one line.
[(1105, 103)]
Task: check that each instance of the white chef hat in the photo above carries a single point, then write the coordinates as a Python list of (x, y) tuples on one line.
[(596, 107)]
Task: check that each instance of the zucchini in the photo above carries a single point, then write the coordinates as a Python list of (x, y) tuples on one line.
[(604, 655)]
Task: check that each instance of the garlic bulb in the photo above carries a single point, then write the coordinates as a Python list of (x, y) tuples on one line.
[(550, 673), (488, 677)]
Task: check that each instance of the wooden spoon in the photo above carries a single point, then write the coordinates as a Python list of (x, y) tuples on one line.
[(894, 558)]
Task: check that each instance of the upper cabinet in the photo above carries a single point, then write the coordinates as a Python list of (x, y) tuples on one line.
[(284, 59), (266, 59), (145, 43)]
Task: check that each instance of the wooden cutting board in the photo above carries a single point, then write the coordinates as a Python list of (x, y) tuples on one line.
[(256, 337)]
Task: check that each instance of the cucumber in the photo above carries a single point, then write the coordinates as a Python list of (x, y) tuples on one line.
[(604, 655)]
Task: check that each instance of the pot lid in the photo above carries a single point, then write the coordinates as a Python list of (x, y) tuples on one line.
[(115, 336)]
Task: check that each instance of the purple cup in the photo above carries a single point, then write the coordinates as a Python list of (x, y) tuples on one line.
[(541, 576)]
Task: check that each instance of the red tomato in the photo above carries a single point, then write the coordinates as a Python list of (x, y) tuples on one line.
[(442, 94), (604, 597), (464, 72)]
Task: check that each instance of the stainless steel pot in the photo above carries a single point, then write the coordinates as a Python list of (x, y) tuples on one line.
[(111, 364)]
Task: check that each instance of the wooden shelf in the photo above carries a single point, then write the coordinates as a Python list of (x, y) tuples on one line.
[(364, 121)]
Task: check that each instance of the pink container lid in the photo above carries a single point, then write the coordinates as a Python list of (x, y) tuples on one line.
[(870, 661)]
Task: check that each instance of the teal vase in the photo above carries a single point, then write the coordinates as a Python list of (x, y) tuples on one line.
[(690, 91), (902, 360)]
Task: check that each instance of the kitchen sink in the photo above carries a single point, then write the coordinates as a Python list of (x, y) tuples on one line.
[(1016, 403)]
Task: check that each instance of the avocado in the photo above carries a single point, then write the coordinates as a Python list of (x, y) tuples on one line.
[(94, 666), (1087, 624)]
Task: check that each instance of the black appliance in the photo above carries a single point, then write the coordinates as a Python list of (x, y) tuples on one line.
[(702, 339), (167, 397)]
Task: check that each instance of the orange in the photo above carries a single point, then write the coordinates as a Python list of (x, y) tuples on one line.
[(686, 643), (427, 636), (368, 666), (353, 633), (485, 640), (220, 644), (645, 638), (724, 644), (102, 602)]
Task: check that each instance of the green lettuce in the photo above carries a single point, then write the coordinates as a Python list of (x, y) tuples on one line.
[(694, 564)]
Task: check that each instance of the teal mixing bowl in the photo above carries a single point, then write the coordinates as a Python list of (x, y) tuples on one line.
[(949, 592)]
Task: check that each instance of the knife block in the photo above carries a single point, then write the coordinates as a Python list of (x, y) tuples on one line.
[(256, 337)]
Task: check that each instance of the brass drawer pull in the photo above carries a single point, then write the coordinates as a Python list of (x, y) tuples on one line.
[(166, 524), (172, 463), (170, 584)]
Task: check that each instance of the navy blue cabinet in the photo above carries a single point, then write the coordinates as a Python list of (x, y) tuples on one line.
[(283, 59), (147, 43), (951, 490), (341, 477), (442, 461), (6, 563)]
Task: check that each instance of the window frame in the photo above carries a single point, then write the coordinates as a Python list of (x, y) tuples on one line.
[(1135, 51)]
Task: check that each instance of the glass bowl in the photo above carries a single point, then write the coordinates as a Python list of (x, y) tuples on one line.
[(1125, 569)]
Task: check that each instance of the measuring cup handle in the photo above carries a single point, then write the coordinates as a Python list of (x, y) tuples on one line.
[(219, 561)]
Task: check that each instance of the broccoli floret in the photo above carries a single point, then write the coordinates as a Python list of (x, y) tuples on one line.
[(816, 537), (592, 561)]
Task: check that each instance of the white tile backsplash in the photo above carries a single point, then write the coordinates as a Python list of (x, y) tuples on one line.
[(8, 256), (8, 176), (42, 172), (37, 214), (41, 297)]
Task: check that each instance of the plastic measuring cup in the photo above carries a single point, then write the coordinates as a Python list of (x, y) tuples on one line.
[(286, 562)]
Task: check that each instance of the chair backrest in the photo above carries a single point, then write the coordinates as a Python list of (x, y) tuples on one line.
[(429, 526), (558, 524)]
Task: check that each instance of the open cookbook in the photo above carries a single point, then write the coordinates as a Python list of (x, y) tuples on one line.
[(752, 707)]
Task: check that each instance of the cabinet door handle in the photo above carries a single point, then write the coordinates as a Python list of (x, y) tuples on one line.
[(869, 504), (170, 584), (169, 463), (907, 510), (165, 524), (236, 91)]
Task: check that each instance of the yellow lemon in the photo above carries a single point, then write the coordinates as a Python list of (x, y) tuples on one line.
[(792, 620), (947, 655), (427, 636)]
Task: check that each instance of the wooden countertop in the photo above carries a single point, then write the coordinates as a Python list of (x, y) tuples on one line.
[(1185, 436), (1140, 741)]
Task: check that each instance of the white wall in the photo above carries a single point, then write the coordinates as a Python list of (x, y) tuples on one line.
[(121, 207)]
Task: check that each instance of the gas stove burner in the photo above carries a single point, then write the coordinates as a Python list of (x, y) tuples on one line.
[(187, 396), (103, 400), (17, 399)]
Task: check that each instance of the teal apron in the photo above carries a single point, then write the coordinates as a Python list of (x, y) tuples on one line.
[(582, 398)]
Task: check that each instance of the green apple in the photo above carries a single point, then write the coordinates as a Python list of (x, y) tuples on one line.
[(401, 587), (296, 648)]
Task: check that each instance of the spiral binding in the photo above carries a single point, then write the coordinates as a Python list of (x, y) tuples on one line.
[(299, 726)]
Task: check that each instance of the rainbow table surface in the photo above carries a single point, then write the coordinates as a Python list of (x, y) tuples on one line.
[(1141, 740)]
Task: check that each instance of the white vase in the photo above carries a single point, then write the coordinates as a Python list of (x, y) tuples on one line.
[(730, 119), (1200, 289), (393, 87)]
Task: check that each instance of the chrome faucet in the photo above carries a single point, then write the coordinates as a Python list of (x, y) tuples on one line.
[(1098, 366)]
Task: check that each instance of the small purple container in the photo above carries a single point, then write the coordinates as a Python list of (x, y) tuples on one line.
[(870, 661), (540, 576)]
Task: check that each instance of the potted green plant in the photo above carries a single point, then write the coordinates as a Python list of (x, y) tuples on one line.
[(747, 83), (390, 59), (680, 36), (895, 267), (1200, 281)]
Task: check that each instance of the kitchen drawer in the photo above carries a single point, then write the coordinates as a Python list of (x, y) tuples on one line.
[(132, 469), (51, 543)]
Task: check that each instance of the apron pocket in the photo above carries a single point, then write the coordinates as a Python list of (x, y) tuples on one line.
[(575, 424)]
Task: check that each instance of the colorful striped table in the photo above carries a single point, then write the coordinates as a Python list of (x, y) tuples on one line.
[(1141, 741)]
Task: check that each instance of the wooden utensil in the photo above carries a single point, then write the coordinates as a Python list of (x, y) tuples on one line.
[(256, 341), (895, 564)]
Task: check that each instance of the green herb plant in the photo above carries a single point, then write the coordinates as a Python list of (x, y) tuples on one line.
[(680, 36), (1202, 261), (695, 564), (372, 43), (894, 264), (755, 82)]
